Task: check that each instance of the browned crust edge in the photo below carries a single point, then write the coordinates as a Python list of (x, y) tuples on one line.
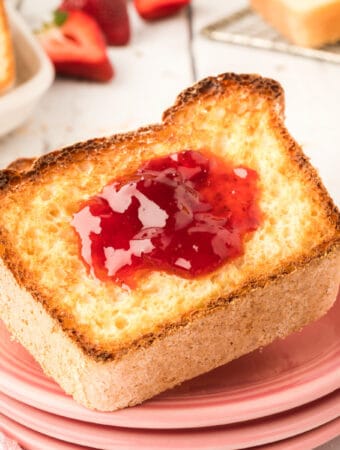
[(211, 86), (21, 164)]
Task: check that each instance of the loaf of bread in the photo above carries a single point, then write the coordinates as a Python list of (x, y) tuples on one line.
[(308, 23), (110, 346), (7, 68)]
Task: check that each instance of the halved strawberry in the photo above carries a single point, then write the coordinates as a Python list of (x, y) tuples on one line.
[(76, 46), (111, 15), (157, 9)]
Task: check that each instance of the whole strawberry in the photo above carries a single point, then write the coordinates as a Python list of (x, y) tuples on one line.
[(158, 9), (76, 46), (111, 15)]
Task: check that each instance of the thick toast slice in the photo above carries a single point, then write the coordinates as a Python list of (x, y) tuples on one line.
[(7, 66), (111, 347)]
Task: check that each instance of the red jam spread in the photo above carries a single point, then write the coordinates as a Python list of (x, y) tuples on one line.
[(186, 213)]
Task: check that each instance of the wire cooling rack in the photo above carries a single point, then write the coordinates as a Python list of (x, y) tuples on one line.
[(245, 27)]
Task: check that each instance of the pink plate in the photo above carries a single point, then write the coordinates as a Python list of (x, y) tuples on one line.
[(32, 440), (309, 440), (288, 373), (228, 437), (242, 435)]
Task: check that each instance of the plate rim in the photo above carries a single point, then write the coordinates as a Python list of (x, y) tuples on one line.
[(315, 437), (286, 425)]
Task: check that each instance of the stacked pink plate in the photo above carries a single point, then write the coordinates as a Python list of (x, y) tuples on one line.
[(286, 396)]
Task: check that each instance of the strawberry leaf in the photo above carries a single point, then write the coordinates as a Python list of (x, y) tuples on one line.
[(59, 17)]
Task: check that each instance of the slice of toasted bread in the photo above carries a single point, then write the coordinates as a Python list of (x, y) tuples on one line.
[(304, 22), (7, 69), (110, 347)]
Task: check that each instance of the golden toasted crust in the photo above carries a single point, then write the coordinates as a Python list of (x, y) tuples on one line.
[(21, 164), (242, 86), (7, 66), (210, 86)]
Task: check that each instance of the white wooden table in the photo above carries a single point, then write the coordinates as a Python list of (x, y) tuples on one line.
[(162, 59)]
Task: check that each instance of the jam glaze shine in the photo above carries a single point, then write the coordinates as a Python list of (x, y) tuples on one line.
[(186, 213)]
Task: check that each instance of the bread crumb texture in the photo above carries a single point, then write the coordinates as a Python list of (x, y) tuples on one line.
[(239, 124)]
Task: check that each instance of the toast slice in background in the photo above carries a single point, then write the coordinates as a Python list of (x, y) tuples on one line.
[(110, 347), (7, 65), (304, 22)]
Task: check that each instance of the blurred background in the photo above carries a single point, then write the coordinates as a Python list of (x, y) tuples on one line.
[(162, 58)]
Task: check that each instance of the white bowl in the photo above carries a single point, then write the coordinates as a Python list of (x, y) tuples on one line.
[(34, 75)]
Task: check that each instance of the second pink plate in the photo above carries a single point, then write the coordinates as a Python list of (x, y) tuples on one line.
[(240, 435), (284, 375), (32, 440)]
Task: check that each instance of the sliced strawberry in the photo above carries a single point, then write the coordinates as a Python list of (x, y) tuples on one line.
[(157, 9), (76, 46), (111, 15)]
